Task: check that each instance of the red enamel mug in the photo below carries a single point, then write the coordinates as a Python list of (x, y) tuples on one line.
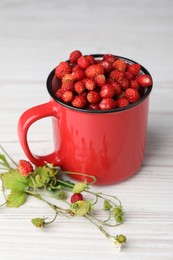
[(107, 144)]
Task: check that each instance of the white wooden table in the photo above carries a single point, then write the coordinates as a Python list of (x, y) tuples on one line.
[(34, 37)]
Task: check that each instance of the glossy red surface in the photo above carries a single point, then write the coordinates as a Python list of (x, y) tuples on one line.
[(109, 146)]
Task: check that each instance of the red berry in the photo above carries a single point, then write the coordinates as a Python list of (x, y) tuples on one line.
[(83, 62), (78, 74), (76, 197), (115, 74), (67, 77), (58, 93), (25, 167), (119, 65), (134, 84), (107, 103), (62, 69), (124, 83), (79, 101), (90, 84), (93, 97), (134, 68), (107, 91), (129, 75), (100, 80), (144, 80), (122, 102), (76, 67), (74, 56), (117, 88), (132, 95), (107, 65), (91, 59), (93, 70), (79, 87), (68, 85), (67, 96), (109, 57)]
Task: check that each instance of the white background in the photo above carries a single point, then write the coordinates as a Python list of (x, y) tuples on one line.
[(34, 37)]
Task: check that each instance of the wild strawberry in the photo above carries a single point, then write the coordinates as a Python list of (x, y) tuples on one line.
[(134, 68), (76, 197), (93, 97), (144, 80), (124, 83), (109, 57), (117, 88), (107, 103), (115, 74), (76, 67), (107, 91), (129, 75), (58, 93), (107, 65), (67, 96), (79, 101), (83, 62), (122, 102), (90, 84), (100, 80), (94, 107), (67, 77), (74, 56), (93, 70), (25, 167), (68, 85), (119, 65), (134, 84), (78, 74), (132, 95), (62, 69), (91, 59), (79, 87)]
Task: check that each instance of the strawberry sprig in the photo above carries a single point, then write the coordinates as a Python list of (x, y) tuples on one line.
[(72, 199)]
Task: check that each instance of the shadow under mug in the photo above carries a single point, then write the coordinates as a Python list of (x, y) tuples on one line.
[(108, 144)]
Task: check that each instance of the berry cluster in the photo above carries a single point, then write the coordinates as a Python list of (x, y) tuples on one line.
[(100, 84)]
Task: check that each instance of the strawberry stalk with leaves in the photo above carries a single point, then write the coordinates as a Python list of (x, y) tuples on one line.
[(72, 199)]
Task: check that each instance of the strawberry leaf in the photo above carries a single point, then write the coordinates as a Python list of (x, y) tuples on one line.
[(13, 180), (16, 199)]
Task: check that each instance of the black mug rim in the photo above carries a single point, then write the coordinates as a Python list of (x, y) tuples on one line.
[(130, 106)]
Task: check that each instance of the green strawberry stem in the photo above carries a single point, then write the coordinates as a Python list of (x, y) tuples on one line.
[(81, 174), (8, 157), (98, 226), (104, 197)]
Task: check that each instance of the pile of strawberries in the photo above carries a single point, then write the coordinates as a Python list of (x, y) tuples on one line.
[(100, 84)]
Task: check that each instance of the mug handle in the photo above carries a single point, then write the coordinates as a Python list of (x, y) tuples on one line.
[(26, 120)]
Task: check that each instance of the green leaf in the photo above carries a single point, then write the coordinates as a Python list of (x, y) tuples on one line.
[(16, 199), (13, 180), (80, 208)]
